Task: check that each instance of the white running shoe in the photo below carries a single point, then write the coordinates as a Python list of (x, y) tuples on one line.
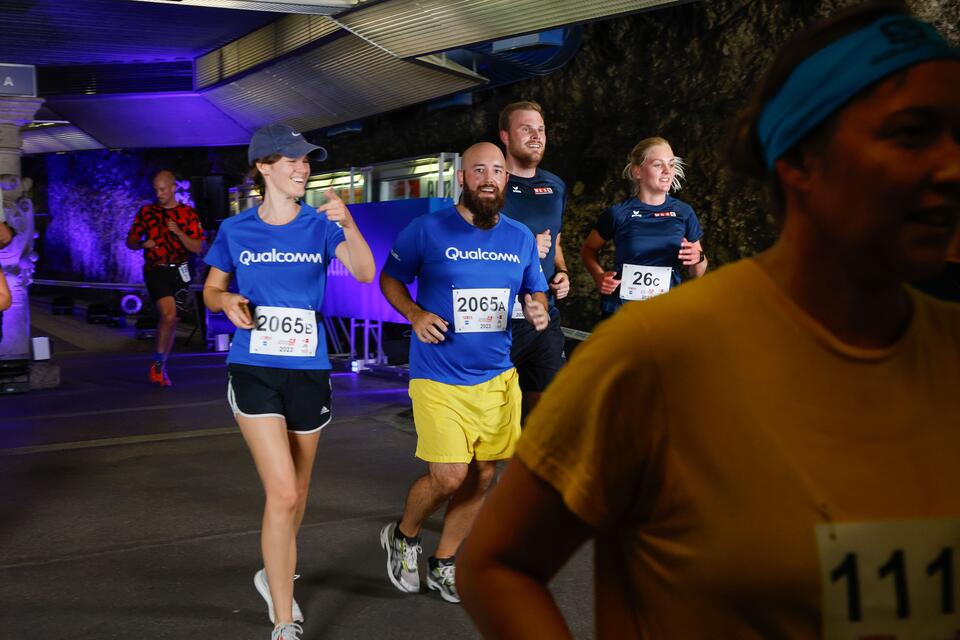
[(263, 587), (443, 578), (401, 560), (288, 631)]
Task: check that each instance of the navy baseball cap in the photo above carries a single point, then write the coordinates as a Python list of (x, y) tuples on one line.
[(279, 138)]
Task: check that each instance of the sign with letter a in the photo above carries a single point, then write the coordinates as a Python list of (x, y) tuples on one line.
[(18, 80)]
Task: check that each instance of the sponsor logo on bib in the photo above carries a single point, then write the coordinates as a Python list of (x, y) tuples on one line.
[(665, 214), (541, 191)]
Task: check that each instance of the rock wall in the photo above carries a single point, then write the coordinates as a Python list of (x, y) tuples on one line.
[(680, 72)]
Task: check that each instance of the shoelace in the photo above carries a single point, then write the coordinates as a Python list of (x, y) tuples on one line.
[(290, 631), (447, 574), (410, 555)]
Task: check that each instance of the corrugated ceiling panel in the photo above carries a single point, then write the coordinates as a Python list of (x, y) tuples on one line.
[(162, 120), (55, 32), (65, 137), (410, 28), (115, 78), (292, 6), (277, 39), (341, 81)]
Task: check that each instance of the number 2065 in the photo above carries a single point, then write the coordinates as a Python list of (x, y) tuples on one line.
[(474, 304), (285, 325)]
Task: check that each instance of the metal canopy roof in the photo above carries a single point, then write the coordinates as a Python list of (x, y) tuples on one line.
[(252, 68), (86, 32), (281, 6), (414, 27)]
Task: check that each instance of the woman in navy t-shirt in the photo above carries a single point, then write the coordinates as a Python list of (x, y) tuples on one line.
[(655, 234), (279, 372)]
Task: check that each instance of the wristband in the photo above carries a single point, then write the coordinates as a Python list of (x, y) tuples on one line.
[(702, 258)]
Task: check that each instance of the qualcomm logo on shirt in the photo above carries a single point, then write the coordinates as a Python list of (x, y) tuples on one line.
[(248, 257), (453, 253)]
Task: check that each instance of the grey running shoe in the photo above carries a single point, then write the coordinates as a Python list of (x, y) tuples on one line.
[(401, 560), (263, 587), (289, 631), (442, 578)]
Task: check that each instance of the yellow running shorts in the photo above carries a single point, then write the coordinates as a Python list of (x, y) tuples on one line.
[(457, 423)]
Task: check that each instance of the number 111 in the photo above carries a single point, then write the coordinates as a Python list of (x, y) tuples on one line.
[(896, 566)]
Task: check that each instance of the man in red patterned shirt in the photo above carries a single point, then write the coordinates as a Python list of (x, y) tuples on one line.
[(166, 231)]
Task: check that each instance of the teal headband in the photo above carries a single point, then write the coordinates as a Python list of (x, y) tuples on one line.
[(829, 78)]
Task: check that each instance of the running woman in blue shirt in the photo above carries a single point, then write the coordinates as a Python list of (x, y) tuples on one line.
[(655, 234), (470, 263), (279, 372)]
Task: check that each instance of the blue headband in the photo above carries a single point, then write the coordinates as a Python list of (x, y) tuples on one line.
[(829, 78)]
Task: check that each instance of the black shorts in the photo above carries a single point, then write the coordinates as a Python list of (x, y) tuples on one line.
[(166, 281), (537, 355), (299, 396)]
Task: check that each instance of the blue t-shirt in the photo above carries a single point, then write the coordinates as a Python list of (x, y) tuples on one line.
[(538, 202), (445, 252), (647, 235), (277, 266)]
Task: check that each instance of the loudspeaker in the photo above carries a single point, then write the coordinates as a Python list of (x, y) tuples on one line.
[(14, 376)]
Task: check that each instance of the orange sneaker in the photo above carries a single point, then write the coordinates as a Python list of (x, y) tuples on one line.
[(156, 374)]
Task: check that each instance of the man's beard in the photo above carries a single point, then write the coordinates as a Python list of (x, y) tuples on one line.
[(484, 210), (526, 156)]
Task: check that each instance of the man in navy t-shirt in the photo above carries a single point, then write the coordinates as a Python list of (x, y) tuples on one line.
[(536, 198), (470, 264)]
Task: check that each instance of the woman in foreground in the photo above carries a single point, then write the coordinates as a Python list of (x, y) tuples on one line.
[(812, 490)]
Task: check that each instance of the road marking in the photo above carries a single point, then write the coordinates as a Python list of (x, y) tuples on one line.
[(155, 544), (112, 442), (98, 412)]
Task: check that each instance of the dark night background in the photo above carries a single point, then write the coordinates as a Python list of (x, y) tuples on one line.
[(680, 72)]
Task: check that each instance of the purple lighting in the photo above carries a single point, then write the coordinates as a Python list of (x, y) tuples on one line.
[(93, 197), (380, 222)]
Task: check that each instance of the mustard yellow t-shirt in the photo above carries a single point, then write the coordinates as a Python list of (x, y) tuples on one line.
[(706, 433)]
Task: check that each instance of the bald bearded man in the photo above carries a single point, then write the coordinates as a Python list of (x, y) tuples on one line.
[(470, 263)]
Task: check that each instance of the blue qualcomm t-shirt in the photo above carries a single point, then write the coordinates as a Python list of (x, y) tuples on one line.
[(647, 235), (277, 266), (445, 252)]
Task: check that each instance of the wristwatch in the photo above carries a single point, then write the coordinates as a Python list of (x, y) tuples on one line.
[(702, 258)]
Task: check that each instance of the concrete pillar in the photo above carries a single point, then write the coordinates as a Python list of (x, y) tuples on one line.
[(17, 259)]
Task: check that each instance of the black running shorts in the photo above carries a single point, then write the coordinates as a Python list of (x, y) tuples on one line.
[(166, 281), (299, 396), (537, 355)]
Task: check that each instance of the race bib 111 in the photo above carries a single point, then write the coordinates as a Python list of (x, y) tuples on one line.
[(890, 580)]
